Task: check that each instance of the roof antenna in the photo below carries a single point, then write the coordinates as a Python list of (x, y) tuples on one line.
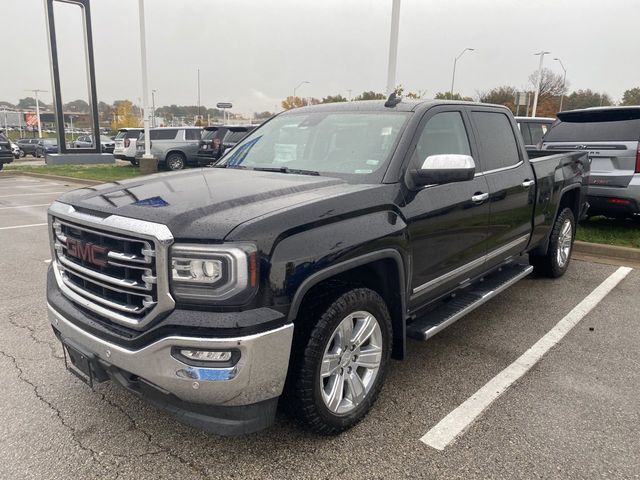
[(393, 100)]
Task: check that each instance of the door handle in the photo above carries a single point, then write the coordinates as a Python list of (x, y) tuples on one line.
[(528, 183), (479, 197)]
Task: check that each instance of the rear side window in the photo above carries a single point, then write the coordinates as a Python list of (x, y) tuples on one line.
[(612, 131), (234, 136), (498, 145), (526, 133), (444, 133), (537, 132), (168, 134), (192, 134)]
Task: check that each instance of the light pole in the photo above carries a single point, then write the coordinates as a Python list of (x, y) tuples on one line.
[(296, 88), (453, 76), (198, 94), (542, 53), (393, 47), (153, 108), (36, 91), (147, 158), (71, 126), (564, 81)]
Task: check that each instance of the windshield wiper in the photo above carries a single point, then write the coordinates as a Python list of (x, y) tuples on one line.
[(286, 170)]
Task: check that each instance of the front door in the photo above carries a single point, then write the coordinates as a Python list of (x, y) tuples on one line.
[(448, 224)]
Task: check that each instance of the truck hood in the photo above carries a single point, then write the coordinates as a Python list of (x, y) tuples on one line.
[(206, 203)]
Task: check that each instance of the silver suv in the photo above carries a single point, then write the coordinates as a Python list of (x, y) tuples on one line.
[(173, 147), (611, 135)]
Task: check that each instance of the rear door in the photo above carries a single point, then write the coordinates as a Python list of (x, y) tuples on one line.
[(611, 138), (448, 228), (511, 182)]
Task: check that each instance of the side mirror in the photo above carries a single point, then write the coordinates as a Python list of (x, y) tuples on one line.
[(446, 168)]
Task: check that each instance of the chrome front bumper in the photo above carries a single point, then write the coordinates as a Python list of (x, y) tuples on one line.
[(258, 375)]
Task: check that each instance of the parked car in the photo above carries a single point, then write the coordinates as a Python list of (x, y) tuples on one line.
[(173, 147), (125, 144), (610, 136), (107, 144), (229, 136), (28, 145), (17, 152), (533, 129), (46, 146), (6, 153), (309, 254)]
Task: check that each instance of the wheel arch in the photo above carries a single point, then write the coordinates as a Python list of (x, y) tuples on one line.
[(377, 270)]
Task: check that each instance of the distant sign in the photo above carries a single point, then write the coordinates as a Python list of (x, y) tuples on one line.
[(522, 98), (224, 105)]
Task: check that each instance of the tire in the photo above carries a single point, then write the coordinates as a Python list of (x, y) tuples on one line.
[(329, 403), (135, 163), (22, 154), (1, 166), (175, 161), (556, 262)]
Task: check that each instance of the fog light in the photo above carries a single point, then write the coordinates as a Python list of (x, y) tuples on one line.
[(206, 355)]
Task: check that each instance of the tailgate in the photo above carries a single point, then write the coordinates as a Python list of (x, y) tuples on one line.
[(612, 163)]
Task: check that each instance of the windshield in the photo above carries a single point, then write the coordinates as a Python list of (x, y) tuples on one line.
[(104, 138), (344, 144)]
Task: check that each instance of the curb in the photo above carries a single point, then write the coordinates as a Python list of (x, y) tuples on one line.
[(607, 251), (81, 181)]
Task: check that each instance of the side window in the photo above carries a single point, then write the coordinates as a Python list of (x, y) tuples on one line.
[(537, 131), (443, 133), (165, 134), (498, 145), (192, 134), (526, 133)]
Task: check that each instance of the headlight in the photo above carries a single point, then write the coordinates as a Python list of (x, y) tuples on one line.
[(222, 274)]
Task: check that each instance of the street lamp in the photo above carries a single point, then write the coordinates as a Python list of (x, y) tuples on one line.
[(455, 61), (296, 88), (542, 53), (564, 81)]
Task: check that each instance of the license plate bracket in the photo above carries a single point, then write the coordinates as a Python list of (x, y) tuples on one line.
[(79, 363)]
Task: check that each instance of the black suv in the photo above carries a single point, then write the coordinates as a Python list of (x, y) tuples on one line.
[(229, 136)]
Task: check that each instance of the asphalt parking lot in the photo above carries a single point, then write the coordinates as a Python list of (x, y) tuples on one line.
[(574, 414)]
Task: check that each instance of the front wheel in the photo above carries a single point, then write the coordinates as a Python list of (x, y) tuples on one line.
[(556, 261), (340, 373), (175, 161), (135, 162)]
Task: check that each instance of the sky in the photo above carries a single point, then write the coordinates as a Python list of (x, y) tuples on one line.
[(254, 52)]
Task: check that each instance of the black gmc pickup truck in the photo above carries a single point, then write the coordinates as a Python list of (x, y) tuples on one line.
[(300, 264)]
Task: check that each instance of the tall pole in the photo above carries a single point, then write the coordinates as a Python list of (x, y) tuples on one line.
[(564, 81), (453, 76), (542, 53), (153, 108), (145, 87), (296, 88), (36, 91), (393, 47), (198, 94)]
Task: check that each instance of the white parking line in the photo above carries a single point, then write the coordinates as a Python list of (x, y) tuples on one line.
[(47, 261), (454, 424), (26, 206), (23, 226), (26, 194)]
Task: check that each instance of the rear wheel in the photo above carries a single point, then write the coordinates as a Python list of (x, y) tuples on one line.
[(338, 377), (556, 262), (175, 161), (135, 162)]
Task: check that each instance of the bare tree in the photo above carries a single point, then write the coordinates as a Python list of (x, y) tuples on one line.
[(551, 85)]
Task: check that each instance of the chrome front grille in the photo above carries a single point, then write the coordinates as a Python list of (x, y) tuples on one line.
[(120, 274)]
